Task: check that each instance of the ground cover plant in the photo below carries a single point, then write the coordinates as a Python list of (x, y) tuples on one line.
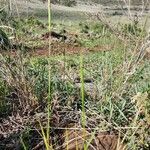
[(68, 86)]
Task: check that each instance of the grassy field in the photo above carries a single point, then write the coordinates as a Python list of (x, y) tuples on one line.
[(85, 85)]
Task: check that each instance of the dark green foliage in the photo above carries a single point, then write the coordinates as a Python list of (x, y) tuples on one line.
[(24, 24), (38, 71), (31, 21), (141, 78), (3, 15), (133, 29), (4, 41), (116, 13), (84, 28), (69, 3), (4, 104), (118, 112), (29, 138), (99, 28), (94, 29)]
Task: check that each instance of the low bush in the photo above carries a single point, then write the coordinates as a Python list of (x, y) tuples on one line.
[(3, 16), (4, 41), (132, 29)]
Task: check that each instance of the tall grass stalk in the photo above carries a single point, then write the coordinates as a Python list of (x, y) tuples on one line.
[(83, 117), (49, 73), (23, 144), (82, 91), (46, 141)]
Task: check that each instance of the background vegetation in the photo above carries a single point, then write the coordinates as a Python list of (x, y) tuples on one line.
[(85, 84)]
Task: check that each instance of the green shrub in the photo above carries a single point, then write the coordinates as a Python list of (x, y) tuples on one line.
[(23, 24), (84, 28), (69, 3), (133, 29), (38, 71), (4, 41), (3, 15), (99, 28)]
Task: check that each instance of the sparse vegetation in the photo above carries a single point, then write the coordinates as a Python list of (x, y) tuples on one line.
[(86, 87)]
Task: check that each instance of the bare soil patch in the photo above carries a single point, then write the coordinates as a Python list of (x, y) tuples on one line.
[(63, 48)]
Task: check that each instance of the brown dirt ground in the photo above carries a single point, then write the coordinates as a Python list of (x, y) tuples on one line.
[(69, 49), (61, 49)]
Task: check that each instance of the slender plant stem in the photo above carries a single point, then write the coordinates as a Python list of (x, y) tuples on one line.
[(83, 98), (49, 72), (82, 90)]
